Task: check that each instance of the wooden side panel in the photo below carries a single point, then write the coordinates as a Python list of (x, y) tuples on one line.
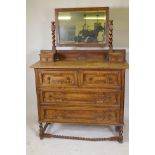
[(122, 97)]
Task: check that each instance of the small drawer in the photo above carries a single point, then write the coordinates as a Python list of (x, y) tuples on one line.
[(100, 79), (81, 97), (79, 116), (46, 56), (56, 78), (116, 57)]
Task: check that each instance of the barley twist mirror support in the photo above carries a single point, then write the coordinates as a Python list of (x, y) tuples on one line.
[(56, 55)]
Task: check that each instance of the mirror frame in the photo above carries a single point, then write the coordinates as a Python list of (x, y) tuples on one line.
[(57, 10)]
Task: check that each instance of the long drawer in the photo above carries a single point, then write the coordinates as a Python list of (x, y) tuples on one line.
[(101, 116), (106, 97)]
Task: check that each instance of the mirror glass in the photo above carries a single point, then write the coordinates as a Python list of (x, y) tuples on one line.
[(82, 27)]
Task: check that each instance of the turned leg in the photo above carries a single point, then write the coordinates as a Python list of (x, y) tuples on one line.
[(117, 128), (120, 130), (41, 130)]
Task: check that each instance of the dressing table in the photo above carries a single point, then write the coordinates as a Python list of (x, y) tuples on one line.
[(77, 85)]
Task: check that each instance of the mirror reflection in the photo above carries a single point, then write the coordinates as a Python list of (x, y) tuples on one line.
[(76, 27)]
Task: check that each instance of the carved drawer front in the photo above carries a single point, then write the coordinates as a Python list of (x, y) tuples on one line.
[(58, 78), (80, 116), (75, 97), (104, 79)]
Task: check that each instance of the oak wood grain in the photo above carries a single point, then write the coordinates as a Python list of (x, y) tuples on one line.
[(81, 92), (81, 64)]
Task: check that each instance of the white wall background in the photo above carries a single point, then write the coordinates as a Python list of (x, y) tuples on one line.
[(39, 15)]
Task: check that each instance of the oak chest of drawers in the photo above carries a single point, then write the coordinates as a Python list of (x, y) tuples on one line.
[(80, 92)]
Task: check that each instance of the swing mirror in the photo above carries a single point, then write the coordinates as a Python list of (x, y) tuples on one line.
[(82, 26)]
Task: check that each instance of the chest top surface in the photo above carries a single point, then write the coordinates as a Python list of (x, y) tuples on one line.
[(80, 64)]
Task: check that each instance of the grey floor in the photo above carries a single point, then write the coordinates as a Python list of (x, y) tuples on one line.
[(53, 146)]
